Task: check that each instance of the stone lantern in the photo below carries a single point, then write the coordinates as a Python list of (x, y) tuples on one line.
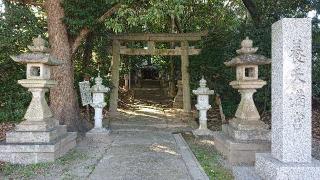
[(98, 103), (246, 134), (126, 82), (247, 82), (203, 106), (39, 138), (178, 100)]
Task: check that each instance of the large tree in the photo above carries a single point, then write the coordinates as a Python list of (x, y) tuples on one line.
[(63, 44)]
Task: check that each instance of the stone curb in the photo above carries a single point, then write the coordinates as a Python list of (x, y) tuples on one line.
[(193, 166)]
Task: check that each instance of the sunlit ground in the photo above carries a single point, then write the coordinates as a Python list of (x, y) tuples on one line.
[(162, 148)]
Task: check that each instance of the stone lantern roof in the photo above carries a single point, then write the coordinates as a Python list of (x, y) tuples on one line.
[(39, 54), (247, 55), (203, 89), (98, 87)]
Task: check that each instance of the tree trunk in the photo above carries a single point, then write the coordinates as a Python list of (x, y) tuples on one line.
[(63, 97), (253, 11), (87, 52)]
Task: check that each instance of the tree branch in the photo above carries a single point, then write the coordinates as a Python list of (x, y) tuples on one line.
[(26, 2), (85, 31), (178, 25), (253, 11)]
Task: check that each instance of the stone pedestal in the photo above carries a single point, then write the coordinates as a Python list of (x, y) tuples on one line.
[(39, 138), (42, 142), (239, 145), (245, 134), (290, 156)]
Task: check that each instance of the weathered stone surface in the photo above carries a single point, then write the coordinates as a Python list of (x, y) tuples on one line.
[(18, 153), (245, 125), (290, 156), (97, 135), (146, 155), (245, 173), (44, 125), (239, 152), (291, 90), (203, 106), (39, 138), (35, 136), (98, 104), (269, 167), (246, 135)]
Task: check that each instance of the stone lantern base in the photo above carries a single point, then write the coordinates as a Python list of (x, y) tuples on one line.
[(98, 135), (36, 142), (202, 132), (239, 144)]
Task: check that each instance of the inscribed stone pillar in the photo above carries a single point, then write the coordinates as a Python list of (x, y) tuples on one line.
[(185, 76), (115, 65), (290, 156)]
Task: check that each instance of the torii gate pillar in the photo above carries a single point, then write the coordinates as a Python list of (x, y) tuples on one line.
[(185, 76), (115, 65)]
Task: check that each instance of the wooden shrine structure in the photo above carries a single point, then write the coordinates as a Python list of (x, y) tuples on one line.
[(151, 39)]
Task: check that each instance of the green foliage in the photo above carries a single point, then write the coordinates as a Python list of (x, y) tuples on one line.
[(208, 157), (84, 13)]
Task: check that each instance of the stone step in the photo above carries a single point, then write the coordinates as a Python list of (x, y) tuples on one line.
[(148, 83), (36, 136), (239, 152), (115, 127), (246, 135), (17, 153)]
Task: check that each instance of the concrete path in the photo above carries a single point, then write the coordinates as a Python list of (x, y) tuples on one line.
[(142, 155), (140, 146)]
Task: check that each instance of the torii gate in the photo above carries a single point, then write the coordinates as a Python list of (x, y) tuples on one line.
[(184, 51)]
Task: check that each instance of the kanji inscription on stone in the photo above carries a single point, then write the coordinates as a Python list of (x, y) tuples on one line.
[(291, 90), (85, 92)]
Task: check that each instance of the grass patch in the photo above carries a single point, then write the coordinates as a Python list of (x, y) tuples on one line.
[(16, 171), (70, 157), (208, 157), (24, 171)]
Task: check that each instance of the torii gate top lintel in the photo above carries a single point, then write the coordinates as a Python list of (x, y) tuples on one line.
[(160, 37), (152, 38)]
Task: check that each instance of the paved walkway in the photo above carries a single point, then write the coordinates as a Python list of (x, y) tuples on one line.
[(142, 155), (141, 146)]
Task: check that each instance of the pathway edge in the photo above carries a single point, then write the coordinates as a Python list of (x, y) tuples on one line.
[(195, 169)]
